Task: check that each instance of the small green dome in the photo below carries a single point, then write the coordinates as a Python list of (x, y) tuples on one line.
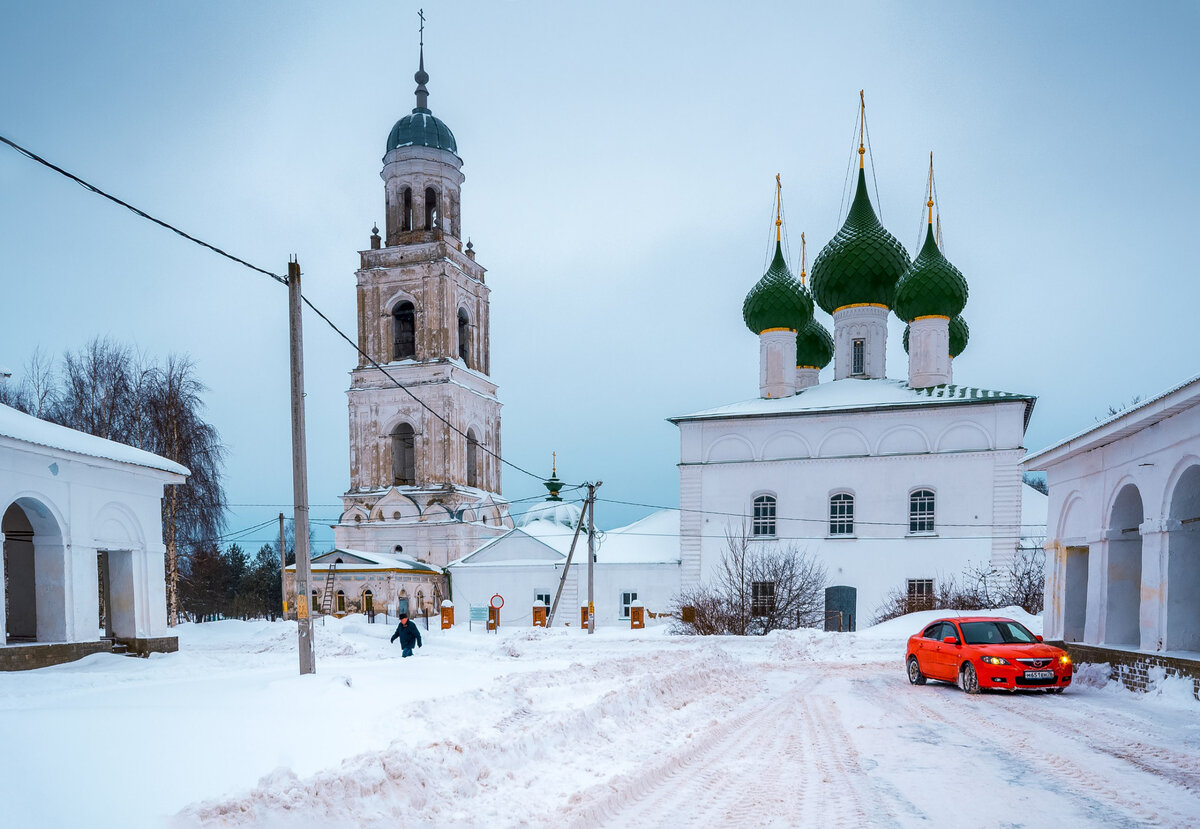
[(862, 263), (777, 300), (421, 129), (959, 334), (931, 286), (814, 346)]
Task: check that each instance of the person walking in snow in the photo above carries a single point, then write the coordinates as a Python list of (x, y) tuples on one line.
[(408, 633)]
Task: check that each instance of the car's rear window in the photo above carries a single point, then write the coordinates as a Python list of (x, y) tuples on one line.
[(996, 633)]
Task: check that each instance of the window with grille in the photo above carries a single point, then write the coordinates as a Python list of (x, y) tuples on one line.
[(920, 511), (858, 359), (920, 594), (841, 514), (762, 598), (764, 516), (628, 597)]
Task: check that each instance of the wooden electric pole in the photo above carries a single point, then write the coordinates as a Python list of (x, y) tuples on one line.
[(282, 566), (592, 555), (299, 472), (566, 568)]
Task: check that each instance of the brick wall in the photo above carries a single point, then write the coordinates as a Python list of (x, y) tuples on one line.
[(1132, 668), (27, 657)]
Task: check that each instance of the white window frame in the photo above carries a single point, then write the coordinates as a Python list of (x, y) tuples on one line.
[(628, 597), (858, 356), (542, 596), (840, 519), (922, 520), (758, 603), (764, 526)]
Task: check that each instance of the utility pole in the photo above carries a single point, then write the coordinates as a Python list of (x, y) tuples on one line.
[(592, 555), (566, 568), (282, 565), (299, 472)]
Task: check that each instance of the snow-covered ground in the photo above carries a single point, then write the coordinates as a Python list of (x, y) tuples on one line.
[(623, 728)]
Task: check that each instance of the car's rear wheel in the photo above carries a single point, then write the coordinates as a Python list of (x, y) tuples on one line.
[(968, 679), (914, 672)]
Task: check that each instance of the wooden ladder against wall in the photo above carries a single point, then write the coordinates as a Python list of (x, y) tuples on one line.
[(327, 598)]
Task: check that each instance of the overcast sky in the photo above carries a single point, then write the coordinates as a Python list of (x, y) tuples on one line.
[(620, 162)]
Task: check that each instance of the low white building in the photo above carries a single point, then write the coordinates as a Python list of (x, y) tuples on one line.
[(358, 581), (638, 562), (82, 519), (1123, 548)]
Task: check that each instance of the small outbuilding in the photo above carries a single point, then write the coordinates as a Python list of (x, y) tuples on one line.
[(358, 581), (83, 563)]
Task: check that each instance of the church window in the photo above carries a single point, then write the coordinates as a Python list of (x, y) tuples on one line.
[(628, 597), (341, 601), (473, 460), (431, 208), (406, 220), (764, 516), (404, 455), (404, 331), (920, 511), (841, 514), (464, 336), (858, 359), (762, 598), (368, 601), (315, 605)]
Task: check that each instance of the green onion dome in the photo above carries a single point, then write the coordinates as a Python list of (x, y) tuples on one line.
[(959, 334), (862, 263), (420, 128), (931, 286), (777, 300), (814, 346)]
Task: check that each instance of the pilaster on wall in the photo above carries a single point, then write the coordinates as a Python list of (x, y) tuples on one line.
[(691, 523), (1006, 508), (860, 322), (1152, 609)]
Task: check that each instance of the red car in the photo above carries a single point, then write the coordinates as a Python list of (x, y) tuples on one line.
[(986, 652)]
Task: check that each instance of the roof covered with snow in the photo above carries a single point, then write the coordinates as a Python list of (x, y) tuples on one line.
[(29, 429), (651, 540), (363, 560), (855, 395), (563, 513)]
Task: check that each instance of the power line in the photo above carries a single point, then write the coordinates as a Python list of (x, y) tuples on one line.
[(283, 280)]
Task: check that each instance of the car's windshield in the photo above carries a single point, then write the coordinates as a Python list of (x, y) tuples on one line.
[(996, 633)]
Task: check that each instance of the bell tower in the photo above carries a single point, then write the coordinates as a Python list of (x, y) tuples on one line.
[(424, 441)]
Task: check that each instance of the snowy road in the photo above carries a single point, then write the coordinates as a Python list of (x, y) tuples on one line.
[(623, 729)]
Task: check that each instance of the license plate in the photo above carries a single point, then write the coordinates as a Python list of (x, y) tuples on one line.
[(1039, 674)]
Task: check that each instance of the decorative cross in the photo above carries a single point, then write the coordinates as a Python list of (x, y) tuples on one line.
[(421, 14)]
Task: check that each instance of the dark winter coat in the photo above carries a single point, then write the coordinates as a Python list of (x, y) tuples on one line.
[(408, 634)]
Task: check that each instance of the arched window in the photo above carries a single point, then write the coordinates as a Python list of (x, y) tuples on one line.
[(315, 603), (764, 516), (404, 331), (473, 460), (341, 601), (920, 511), (464, 336), (841, 514), (406, 219), (368, 601), (404, 455), (431, 208)]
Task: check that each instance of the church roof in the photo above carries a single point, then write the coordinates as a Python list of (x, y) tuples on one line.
[(420, 128), (363, 560), (777, 300), (859, 395), (814, 346), (931, 286), (29, 429)]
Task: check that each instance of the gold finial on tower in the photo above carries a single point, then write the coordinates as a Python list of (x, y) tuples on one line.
[(803, 260), (929, 203), (862, 122), (778, 206)]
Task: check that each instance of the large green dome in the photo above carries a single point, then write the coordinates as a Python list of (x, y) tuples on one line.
[(814, 346), (862, 263), (959, 335), (931, 286), (777, 300), (421, 129)]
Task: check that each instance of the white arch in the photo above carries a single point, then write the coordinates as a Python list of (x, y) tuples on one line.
[(964, 436), (844, 442), (397, 298), (1114, 494), (1177, 472), (784, 445), (43, 513), (116, 527), (1072, 519), (891, 442), (726, 448)]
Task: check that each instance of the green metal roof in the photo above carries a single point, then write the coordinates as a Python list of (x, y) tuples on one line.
[(862, 262), (931, 285), (814, 346), (777, 300), (421, 129)]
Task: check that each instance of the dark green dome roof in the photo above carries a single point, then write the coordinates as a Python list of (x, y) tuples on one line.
[(814, 346), (959, 335), (421, 129), (931, 286), (777, 300), (862, 263)]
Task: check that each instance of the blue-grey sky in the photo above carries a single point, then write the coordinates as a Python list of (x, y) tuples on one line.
[(620, 161)]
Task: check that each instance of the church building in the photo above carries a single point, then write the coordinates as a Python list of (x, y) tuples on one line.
[(892, 484), (424, 412)]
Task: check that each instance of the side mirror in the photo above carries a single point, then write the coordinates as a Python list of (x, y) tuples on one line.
[(1039, 638), (951, 640)]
